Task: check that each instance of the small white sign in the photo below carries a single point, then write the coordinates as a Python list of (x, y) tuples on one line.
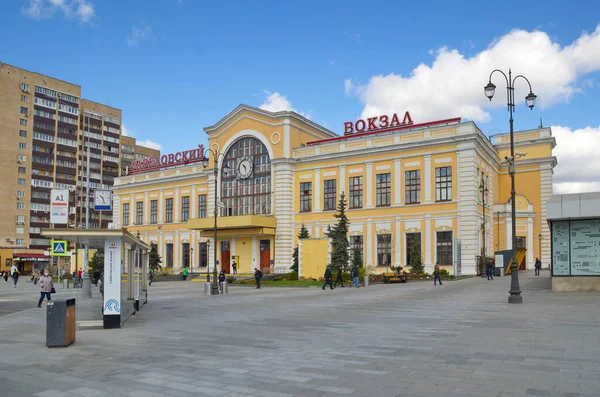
[(59, 206), (112, 275)]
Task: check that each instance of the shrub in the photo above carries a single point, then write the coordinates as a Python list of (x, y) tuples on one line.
[(416, 260), (165, 271), (292, 276), (280, 277), (444, 274), (230, 280)]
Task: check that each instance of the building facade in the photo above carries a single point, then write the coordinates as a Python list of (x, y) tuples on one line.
[(403, 181), (45, 130)]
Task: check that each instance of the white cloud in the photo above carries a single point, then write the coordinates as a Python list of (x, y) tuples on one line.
[(126, 131), (578, 168), (275, 102), (150, 144), (140, 34), (82, 10), (452, 85), (348, 86)]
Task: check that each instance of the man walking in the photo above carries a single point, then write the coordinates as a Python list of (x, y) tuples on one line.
[(354, 275), (327, 277), (15, 277), (490, 271), (538, 266), (234, 267), (339, 278), (436, 274), (257, 276)]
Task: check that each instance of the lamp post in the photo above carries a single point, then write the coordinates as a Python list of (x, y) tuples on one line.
[(191, 263), (216, 155), (484, 191), (540, 246), (489, 89), (207, 268)]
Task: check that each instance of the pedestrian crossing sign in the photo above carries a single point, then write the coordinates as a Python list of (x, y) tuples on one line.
[(59, 248)]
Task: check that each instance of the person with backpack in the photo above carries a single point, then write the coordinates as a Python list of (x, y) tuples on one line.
[(221, 280), (339, 278), (46, 287), (538, 266), (490, 271), (15, 277), (257, 276), (354, 274), (327, 278), (436, 274)]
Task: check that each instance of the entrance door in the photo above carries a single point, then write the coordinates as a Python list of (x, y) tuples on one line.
[(225, 256), (265, 256)]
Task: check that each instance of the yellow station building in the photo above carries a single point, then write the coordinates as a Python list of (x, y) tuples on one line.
[(277, 171)]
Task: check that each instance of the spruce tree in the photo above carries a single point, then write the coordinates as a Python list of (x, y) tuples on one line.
[(339, 237), (357, 259), (303, 233), (154, 259), (416, 260)]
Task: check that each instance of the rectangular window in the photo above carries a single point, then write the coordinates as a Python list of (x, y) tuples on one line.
[(22, 145), (185, 257), (22, 157), (24, 110), (521, 242), (356, 192), (169, 211), (139, 213), (203, 250), (20, 194), (384, 190), (384, 249), (412, 187), (356, 247), (20, 241), (125, 214), (329, 195), (20, 206), (23, 133), (169, 255), (185, 208), (20, 181), (22, 170), (410, 240), (305, 196), (23, 122), (443, 184), (153, 211), (444, 248), (20, 230), (24, 87), (202, 206), (24, 98)]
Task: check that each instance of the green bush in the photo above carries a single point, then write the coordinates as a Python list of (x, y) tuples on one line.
[(444, 274), (230, 279), (292, 276), (361, 273)]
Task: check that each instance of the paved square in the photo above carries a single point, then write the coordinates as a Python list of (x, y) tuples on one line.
[(461, 339)]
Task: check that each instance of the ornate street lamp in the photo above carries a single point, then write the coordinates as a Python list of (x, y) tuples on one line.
[(484, 192), (205, 162), (489, 90)]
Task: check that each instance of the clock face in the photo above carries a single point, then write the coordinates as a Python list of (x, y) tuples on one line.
[(103, 197), (245, 167)]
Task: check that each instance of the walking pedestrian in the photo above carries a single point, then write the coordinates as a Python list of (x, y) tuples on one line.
[(15, 277), (46, 287), (221, 280), (354, 274), (257, 276), (339, 278), (185, 273), (150, 276), (13, 269), (490, 271), (79, 273), (327, 277), (234, 267), (436, 274), (538, 266), (5, 275)]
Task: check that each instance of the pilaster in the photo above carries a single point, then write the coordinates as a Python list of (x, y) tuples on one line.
[(397, 181), (369, 184)]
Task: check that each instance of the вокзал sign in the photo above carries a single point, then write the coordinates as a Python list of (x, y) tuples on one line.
[(376, 123), (167, 160)]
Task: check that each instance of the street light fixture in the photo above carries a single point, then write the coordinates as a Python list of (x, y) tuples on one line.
[(205, 162), (489, 90)]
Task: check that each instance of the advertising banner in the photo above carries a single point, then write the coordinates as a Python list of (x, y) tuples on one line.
[(59, 206), (112, 275)]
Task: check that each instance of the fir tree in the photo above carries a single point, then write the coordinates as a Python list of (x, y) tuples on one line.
[(416, 260), (154, 259), (339, 237), (357, 259), (303, 233)]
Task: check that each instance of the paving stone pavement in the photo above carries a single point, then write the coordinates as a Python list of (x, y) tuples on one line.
[(412, 340)]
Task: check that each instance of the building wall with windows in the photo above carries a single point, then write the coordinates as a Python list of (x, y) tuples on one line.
[(412, 184)]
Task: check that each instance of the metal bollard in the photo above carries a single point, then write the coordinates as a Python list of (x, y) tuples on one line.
[(224, 288), (366, 280), (207, 289)]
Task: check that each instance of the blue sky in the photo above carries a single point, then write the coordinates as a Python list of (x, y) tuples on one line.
[(174, 67)]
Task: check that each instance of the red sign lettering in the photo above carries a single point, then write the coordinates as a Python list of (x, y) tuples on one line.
[(376, 123), (167, 160)]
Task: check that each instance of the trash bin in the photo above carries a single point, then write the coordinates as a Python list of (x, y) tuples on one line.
[(224, 287), (60, 322)]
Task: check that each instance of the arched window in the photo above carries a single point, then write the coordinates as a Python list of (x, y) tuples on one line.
[(246, 179)]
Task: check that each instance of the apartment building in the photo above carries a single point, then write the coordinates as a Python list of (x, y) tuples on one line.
[(46, 131), (131, 151)]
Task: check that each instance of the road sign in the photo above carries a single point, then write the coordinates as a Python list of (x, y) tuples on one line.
[(59, 206), (102, 200), (59, 248)]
